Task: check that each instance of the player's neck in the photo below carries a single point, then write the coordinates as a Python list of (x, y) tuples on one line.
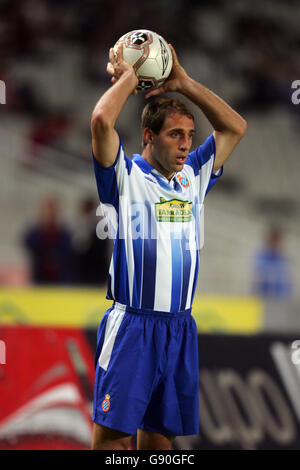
[(156, 165)]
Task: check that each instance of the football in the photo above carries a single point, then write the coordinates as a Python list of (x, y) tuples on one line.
[(150, 56)]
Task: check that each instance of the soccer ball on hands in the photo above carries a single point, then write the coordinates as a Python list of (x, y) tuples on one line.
[(150, 56)]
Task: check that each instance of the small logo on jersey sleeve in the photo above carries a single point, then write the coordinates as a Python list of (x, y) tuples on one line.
[(183, 181), (173, 210), (106, 403)]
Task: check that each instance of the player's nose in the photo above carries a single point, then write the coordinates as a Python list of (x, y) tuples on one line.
[(184, 143)]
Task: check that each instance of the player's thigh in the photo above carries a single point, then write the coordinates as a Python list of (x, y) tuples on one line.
[(148, 440), (106, 438)]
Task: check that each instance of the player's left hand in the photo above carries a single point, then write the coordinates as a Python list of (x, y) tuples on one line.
[(174, 81)]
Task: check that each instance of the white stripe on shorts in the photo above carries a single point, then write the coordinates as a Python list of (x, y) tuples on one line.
[(111, 330)]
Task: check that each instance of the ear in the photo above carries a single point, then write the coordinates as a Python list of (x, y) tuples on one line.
[(148, 135)]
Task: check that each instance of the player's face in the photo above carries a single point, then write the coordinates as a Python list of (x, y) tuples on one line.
[(172, 145)]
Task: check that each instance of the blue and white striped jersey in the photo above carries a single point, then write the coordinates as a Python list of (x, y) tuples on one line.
[(155, 224)]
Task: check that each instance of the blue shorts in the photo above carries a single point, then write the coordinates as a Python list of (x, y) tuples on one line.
[(147, 372)]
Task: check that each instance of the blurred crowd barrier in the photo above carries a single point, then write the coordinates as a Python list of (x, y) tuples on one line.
[(84, 308), (249, 380), (249, 393)]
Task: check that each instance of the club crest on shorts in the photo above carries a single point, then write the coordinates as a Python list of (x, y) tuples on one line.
[(106, 403)]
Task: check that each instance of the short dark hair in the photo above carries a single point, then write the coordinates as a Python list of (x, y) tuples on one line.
[(156, 111)]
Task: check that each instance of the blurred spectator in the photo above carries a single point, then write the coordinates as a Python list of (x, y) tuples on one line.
[(91, 253), (272, 272), (49, 246), (49, 132)]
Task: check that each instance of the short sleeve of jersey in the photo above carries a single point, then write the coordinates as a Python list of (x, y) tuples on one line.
[(110, 180), (202, 161)]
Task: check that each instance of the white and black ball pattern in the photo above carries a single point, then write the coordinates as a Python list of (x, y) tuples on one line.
[(150, 56)]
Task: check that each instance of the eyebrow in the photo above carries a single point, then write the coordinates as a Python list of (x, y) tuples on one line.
[(192, 131)]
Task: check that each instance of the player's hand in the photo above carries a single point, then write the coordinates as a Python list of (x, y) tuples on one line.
[(174, 81), (117, 66)]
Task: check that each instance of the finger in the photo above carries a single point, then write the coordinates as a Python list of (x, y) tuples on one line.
[(120, 52), (155, 92), (174, 55), (110, 69), (113, 80), (112, 58)]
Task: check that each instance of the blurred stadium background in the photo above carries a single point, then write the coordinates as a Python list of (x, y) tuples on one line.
[(53, 59)]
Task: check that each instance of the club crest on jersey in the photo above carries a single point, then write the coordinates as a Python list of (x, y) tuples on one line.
[(106, 403), (173, 210), (183, 181)]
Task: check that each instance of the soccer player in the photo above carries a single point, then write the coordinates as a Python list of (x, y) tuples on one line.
[(146, 359)]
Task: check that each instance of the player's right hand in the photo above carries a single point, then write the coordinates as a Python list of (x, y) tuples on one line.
[(117, 66)]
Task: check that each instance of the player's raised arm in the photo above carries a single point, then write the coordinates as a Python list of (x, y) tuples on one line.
[(229, 126), (104, 137)]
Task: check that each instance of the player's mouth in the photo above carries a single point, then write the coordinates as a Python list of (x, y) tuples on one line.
[(180, 160)]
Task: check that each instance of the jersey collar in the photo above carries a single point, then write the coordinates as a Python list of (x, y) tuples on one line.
[(142, 163), (163, 181)]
